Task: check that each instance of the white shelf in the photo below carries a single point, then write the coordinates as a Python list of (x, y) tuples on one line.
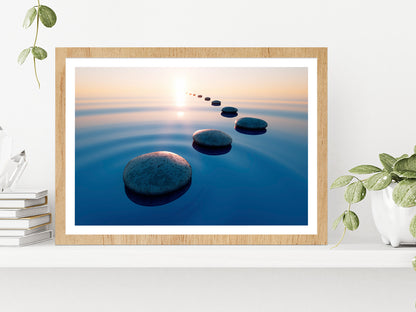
[(47, 255)]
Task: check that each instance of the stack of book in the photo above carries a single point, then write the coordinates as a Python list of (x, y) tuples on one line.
[(24, 217)]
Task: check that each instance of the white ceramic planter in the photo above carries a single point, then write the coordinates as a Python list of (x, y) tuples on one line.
[(391, 220)]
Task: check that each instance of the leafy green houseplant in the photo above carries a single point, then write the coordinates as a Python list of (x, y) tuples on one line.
[(399, 172), (45, 15)]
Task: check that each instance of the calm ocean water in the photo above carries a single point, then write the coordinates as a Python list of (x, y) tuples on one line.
[(262, 180)]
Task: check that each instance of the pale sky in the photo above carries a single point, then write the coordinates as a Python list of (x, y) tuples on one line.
[(275, 83)]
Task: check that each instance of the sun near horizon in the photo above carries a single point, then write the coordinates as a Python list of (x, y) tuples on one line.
[(286, 84)]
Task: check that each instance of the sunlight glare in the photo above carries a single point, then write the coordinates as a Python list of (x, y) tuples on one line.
[(180, 90)]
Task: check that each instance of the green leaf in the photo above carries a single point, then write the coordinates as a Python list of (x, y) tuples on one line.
[(378, 181), (412, 227), (403, 156), (414, 150), (387, 161), (47, 16), (342, 181), (337, 221), (407, 174), (408, 164), (355, 192), (414, 263), (365, 169), (22, 56), (39, 53), (30, 17), (395, 177), (406, 167), (404, 194), (351, 221)]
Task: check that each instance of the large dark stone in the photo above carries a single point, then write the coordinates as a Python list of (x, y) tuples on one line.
[(157, 173), (212, 138), (251, 123), (216, 103)]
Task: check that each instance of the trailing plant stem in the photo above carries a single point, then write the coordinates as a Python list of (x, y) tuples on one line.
[(36, 73), (45, 15), (37, 25), (341, 239), (34, 44), (343, 233)]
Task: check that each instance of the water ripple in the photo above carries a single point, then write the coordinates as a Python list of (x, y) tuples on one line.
[(236, 187)]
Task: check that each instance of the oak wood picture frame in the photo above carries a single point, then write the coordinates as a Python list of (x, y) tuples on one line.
[(62, 238)]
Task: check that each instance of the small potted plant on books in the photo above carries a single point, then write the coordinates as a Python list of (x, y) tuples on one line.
[(393, 201)]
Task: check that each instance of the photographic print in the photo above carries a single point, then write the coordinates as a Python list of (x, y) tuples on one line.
[(191, 146)]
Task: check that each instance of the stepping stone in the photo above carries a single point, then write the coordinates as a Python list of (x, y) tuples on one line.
[(250, 131), (229, 109), (200, 96), (212, 138), (211, 151), (157, 173), (216, 103), (251, 123), (148, 200), (229, 115), (207, 99)]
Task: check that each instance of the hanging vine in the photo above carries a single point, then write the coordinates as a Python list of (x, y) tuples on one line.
[(45, 15)]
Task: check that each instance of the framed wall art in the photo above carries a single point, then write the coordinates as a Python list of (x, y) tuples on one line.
[(191, 146)]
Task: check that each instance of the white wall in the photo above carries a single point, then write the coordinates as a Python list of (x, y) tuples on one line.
[(371, 91)]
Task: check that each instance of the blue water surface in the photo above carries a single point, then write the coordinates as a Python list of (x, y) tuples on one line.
[(262, 180)]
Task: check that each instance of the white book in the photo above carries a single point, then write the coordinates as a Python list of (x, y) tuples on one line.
[(25, 223), (22, 193), (33, 230), (25, 240), (14, 213), (21, 203)]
